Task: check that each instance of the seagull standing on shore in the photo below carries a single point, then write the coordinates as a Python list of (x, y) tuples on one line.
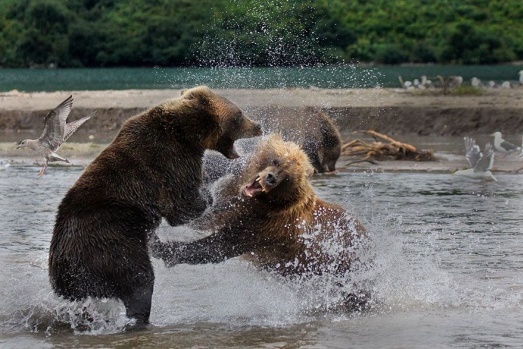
[(56, 132), (480, 164), (502, 145)]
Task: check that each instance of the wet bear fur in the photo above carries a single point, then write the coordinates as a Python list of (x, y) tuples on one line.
[(311, 128), (151, 170), (271, 215)]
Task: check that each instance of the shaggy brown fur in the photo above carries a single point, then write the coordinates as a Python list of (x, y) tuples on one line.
[(275, 219), (152, 169)]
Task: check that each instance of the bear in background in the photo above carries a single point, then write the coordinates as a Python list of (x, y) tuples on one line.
[(312, 129), (270, 214), (151, 170)]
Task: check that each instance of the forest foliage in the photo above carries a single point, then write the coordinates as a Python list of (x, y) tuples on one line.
[(104, 33)]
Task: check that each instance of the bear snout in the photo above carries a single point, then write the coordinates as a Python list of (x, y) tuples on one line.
[(256, 129), (252, 128), (270, 179)]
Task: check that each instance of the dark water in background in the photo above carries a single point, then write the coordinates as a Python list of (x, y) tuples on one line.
[(449, 273), (162, 78)]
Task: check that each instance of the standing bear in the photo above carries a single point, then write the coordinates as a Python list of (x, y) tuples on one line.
[(271, 215), (152, 169)]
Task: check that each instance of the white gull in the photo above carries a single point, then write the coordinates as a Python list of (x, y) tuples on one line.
[(56, 132), (502, 145), (480, 163)]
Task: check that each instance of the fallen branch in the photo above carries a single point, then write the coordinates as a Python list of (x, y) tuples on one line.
[(362, 160), (384, 148)]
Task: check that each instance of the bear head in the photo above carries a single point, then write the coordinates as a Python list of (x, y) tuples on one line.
[(278, 173), (227, 122)]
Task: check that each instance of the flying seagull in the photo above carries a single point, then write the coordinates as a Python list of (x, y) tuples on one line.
[(56, 132), (502, 145), (480, 163)]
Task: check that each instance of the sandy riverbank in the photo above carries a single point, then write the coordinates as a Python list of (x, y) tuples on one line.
[(327, 98), (400, 113), (390, 111)]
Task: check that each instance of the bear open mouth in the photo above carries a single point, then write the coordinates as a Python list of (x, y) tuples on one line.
[(255, 188)]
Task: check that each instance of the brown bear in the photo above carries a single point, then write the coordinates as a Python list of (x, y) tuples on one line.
[(309, 127), (275, 219), (152, 169)]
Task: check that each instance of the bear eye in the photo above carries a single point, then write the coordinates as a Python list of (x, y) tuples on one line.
[(275, 162), (238, 118)]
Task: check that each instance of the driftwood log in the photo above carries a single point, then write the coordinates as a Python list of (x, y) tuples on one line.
[(384, 148)]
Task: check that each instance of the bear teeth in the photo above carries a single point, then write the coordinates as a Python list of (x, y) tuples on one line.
[(257, 184), (255, 187)]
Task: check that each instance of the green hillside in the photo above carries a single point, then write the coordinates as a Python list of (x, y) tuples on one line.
[(96, 33)]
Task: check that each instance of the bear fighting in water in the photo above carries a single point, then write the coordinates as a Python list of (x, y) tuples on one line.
[(270, 214), (151, 170)]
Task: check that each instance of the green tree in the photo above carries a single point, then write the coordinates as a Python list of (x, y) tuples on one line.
[(468, 44), (253, 33), (46, 39)]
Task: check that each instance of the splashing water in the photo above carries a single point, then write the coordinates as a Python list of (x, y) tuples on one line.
[(261, 52), (256, 35)]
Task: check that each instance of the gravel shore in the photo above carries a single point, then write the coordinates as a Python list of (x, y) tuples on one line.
[(399, 113)]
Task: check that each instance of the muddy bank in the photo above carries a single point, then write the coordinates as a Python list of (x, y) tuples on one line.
[(428, 121), (396, 121), (425, 121), (390, 111)]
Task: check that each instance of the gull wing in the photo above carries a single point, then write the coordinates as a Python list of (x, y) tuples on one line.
[(472, 152), (55, 121), (508, 146), (487, 160), (73, 126)]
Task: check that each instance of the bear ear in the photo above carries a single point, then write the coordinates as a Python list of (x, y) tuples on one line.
[(195, 92), (188, 94)]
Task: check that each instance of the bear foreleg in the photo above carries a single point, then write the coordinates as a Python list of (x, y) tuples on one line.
[(193, 207), (215, 248)]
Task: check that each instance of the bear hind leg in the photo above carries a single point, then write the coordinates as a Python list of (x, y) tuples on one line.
[(138, 305)]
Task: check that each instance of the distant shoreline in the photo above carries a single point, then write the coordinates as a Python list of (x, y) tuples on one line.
[(82, 154)]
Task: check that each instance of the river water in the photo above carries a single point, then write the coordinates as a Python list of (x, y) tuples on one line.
[(448, 273), (349, 76)]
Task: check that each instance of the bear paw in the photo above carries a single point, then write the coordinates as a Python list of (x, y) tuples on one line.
[(163, 250)]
